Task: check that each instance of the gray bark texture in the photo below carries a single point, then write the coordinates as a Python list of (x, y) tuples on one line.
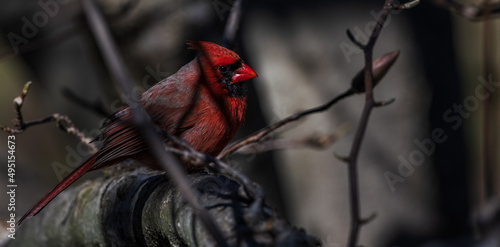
[(138, 207)]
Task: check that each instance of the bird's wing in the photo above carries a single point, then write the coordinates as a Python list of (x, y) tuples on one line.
[(122, 140), (174, 114)]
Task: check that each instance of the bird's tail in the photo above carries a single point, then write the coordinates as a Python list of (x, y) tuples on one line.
[(67, 181)]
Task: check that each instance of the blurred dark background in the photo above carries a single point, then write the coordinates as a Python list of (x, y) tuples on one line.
[(303, 58)]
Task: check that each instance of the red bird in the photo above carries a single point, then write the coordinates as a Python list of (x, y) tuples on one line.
[(203, 103)]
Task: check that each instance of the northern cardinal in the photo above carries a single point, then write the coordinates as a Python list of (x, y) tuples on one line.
[(203, 103)]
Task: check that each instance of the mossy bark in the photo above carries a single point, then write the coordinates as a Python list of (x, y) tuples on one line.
[(138, 207)]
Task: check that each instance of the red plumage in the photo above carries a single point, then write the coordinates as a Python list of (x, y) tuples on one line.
[(203, 103)]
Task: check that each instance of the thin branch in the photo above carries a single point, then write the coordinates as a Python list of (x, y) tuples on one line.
[(141, 119), (18, 104), (96, 106), (63, 122), (469, 11), (233, 24), (356, 221), (354, 40), (342, 158), (264, 132), (314, 141), (368, 219), (384, 103), (380, 68)]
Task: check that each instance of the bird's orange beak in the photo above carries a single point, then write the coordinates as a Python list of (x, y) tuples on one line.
[(244, 73)]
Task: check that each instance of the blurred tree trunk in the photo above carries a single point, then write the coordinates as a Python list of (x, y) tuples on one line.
[(434, 36)]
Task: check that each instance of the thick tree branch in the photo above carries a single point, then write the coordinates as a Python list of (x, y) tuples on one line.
[(139, 207)]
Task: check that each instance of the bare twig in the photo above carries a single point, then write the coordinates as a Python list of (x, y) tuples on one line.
[(233, 24), (141, 119), (342, 158), (368, 219), (312, 141), (356, 220), (261, 134), (95, 106), (469, 11), (380, 68), (62, 121), (315, 141)]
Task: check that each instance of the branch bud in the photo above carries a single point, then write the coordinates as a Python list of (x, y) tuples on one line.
[(380, 68)]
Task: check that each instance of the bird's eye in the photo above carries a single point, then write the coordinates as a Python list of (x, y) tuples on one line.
[(223, 69)]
